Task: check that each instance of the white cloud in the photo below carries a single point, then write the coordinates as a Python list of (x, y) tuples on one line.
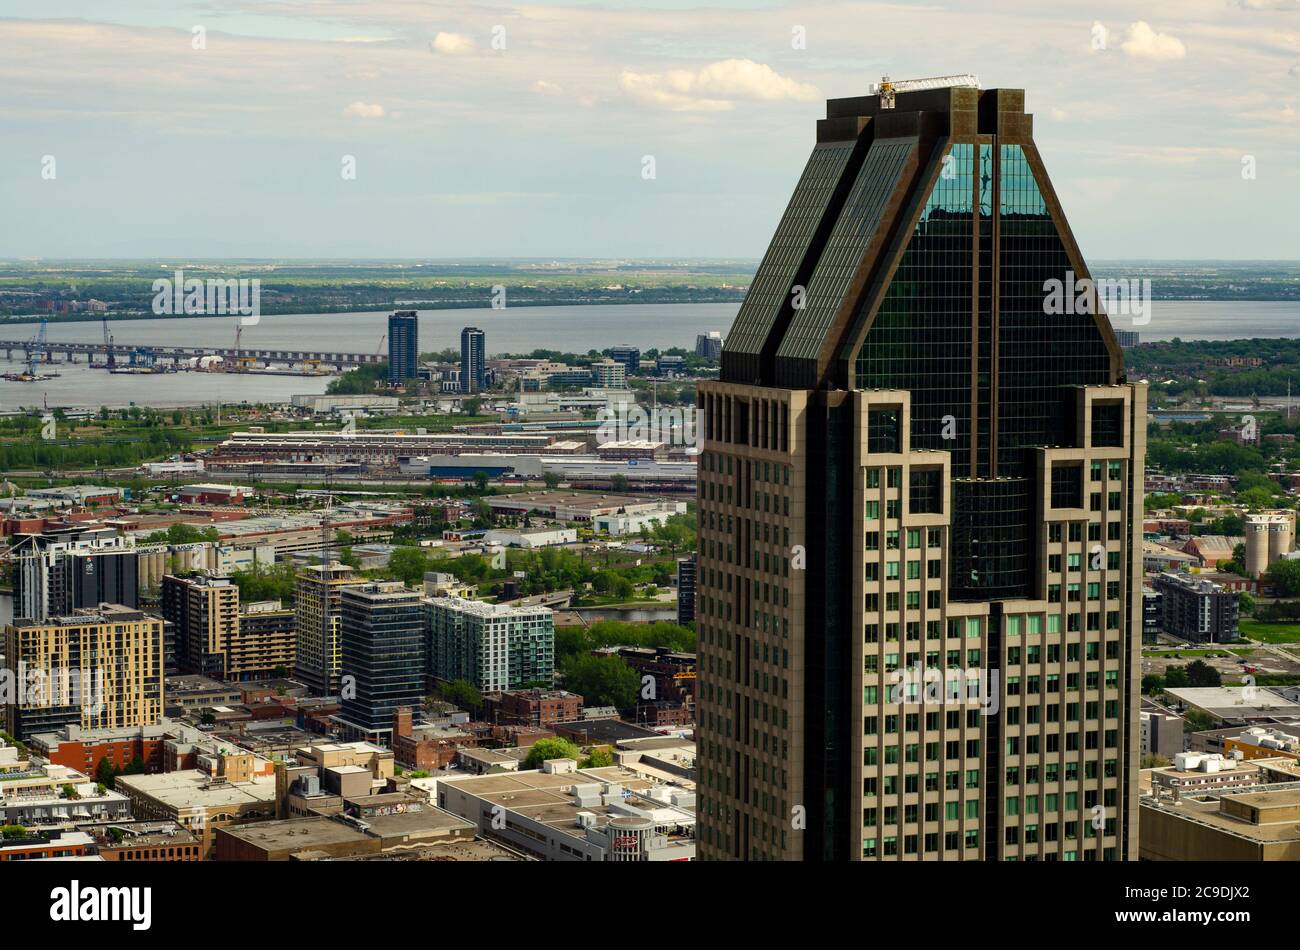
[(1269, 4), (1145, 43), (364, 110), (548, 88), (714, 87), (451, 44)]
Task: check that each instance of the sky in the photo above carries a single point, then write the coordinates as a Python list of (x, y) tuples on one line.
[(431, 129)]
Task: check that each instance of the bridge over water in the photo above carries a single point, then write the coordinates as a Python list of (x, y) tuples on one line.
[(70, 352)]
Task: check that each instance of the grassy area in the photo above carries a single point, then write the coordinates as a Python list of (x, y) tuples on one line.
[(1270, 632)]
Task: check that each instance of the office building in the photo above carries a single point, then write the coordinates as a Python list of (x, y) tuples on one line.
[(608, 374), (317, 621), (496, 647), (686, 589), (382, 635), (98, 668), (205, 612), (1196, 609), (628, 356), (670, 366), (473, 360), (709, 345), (403, 347), (919, 463)]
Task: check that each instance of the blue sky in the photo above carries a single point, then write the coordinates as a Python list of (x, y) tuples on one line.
[(465, 149)]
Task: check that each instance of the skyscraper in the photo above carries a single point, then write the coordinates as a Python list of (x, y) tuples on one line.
[(920, 490), (403, 346), (473, 360), (317, 620), (382, 634)]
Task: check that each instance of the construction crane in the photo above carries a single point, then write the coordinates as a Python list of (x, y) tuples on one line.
[(37, 349), (888, 88), (380, 350), (108, 343), (241, 363)]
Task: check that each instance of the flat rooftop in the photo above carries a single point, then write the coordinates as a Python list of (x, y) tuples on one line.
[(194, 788), (1206, 810), (611, 731), (547, 798), (296, 834), (1227, 702)]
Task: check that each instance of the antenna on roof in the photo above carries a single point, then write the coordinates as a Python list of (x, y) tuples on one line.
[(888, 88)]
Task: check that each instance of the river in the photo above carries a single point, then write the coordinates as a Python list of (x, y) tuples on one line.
[(512, 330)]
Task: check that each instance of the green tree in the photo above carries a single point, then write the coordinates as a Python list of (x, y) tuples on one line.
[(1200, 673), (599, 759), (1198, 720), (603, 680), (551, 480), (1285, 577), (408, 565), (463, 694), (553, 748)]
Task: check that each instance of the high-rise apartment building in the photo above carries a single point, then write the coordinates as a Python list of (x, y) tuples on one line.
[(205, 613), (494, 646), (918, 598), (473, 360), (99, 668), (1197, 609), (403, 346), (53, 576), (216, 635), (316, 610), (267, 646), (382, 634)]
